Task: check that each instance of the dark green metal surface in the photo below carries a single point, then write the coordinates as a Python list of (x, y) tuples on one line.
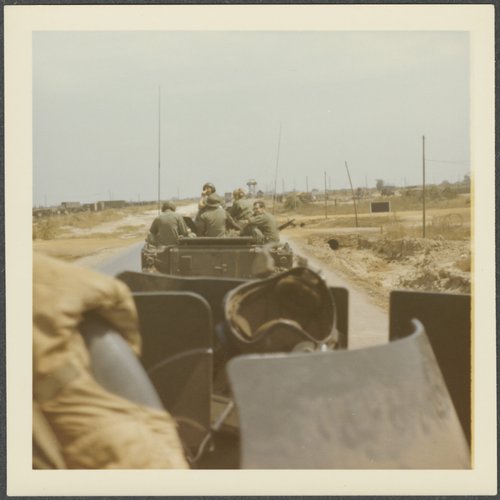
[(447, 321)]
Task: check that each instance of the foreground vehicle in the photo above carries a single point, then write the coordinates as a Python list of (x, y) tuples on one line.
[(286, 400)]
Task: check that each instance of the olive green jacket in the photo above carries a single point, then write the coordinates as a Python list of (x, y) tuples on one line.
[(240, 210), (211, 222), (167, 228), (267, 225)]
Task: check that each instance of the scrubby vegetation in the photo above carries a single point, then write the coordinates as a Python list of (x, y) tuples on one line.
[(341, 203), (48, 228)]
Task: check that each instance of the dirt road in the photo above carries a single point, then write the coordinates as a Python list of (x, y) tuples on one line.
[(367, 263), (368, 322)]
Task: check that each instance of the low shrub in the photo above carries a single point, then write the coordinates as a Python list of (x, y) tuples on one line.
[(46, 229)]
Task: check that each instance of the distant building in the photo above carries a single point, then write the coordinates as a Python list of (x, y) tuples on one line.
[(388, 190), (111, 204), (90, 207), (71, 205)]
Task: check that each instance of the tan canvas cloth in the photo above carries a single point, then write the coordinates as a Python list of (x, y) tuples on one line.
[(94, 428)]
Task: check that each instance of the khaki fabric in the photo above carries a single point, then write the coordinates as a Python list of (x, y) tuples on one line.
[(94, 428), (98, 430), (47, 453)]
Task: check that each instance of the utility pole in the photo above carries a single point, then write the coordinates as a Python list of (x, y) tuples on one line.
[(159, 144), (423, 186), (276, 172), (307, 185), (353, 197), (326, 200), (283, 186)]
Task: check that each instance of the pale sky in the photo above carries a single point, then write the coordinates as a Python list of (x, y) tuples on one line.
[(362, 97)]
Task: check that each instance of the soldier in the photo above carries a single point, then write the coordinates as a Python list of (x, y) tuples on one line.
[(167, 227), (212, 220), (241, 208), (77, 424), (208, 189), (262, 225)]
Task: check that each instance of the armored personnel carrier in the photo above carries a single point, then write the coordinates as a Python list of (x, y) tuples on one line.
[(231, 257), (228, 257)]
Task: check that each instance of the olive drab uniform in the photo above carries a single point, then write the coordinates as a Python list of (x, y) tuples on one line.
[(77, 424), (240, 210), (202, 204), (211, 222), (263, 228), (167, 228)]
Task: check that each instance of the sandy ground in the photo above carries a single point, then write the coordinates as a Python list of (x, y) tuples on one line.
[(91, 245), (379, 264), (365, 257)]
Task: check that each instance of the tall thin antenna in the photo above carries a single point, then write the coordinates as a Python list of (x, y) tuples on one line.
[(159, 144), (326, 200), (276, 172), (423, 186)]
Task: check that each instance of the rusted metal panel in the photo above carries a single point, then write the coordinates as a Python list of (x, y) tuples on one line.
[(383, 407)]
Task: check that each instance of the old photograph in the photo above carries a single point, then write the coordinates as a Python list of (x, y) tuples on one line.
[(262, 239)]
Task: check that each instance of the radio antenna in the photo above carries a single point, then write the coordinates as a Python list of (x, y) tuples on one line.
[(276, 172), (159, 144)]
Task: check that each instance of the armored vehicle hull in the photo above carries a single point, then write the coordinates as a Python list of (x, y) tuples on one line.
[(230, 257)]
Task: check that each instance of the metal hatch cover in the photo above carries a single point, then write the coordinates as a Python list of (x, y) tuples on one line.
[(383, 407)]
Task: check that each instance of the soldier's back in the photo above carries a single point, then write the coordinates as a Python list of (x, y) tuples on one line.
[(167, 228), (241, 210), (214, 221)]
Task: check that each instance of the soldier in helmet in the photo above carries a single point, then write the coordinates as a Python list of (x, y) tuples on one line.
[(167, 227), (208, 190), (241, 209), (213, 219), (261, 225)]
